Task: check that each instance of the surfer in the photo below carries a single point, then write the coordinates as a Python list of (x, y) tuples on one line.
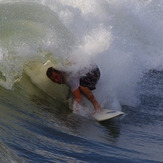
[(79, 83)]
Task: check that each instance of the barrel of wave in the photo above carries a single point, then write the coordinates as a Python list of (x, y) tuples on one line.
[(37, 73)]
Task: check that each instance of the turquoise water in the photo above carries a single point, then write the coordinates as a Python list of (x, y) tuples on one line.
[(124, 39)]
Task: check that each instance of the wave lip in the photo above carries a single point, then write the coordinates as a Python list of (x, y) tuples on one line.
[(29, 31)]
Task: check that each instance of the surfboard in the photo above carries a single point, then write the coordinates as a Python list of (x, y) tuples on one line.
[(107, 114)]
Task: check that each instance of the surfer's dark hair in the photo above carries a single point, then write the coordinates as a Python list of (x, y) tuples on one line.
[(50, 70)]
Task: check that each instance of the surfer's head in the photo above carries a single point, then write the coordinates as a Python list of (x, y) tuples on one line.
[(55, 75)]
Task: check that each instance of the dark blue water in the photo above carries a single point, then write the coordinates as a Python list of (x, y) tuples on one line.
[(36, 128)]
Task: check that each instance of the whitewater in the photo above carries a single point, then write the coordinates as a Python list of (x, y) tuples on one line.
[(124, 38)]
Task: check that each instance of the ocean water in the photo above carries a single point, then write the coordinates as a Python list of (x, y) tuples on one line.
[(123, 37)]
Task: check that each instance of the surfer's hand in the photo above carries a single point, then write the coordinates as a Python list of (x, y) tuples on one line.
[(76, 106), (98, 109)]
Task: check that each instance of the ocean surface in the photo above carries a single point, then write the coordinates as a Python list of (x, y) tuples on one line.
[(124, 37)]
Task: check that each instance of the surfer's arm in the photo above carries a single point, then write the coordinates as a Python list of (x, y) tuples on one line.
[(89, 95), (77, 95)]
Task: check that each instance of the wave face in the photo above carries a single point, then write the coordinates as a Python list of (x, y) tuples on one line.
[(123, 37), (29, 31)]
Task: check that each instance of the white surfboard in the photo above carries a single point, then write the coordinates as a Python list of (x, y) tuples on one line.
[(107, 114)]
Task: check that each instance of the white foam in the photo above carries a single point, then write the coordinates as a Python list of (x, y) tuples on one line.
[(123, 37)]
